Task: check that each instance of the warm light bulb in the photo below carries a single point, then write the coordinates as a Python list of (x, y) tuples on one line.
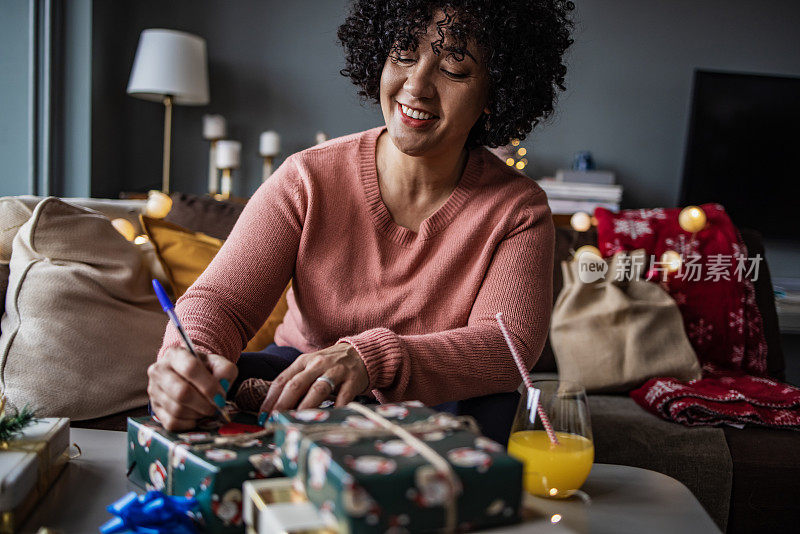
[(515, 142), (141, 239), (553, 493), (124, 227), (510, 162), (555, 518), (672, 260), (522, 151), (692, 219), (158, 205), (587, 249), (520, 165), (580, 221)]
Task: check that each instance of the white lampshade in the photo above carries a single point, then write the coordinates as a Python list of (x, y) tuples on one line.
[(170, 62)]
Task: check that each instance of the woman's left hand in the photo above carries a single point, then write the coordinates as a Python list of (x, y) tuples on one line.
[(298, 386)]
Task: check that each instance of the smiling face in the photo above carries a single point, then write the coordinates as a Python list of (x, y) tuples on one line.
[(431, 101)]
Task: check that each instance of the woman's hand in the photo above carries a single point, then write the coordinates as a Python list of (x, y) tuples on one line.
[(297, 386), (184, 389)]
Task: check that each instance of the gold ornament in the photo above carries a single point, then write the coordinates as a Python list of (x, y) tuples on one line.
[(580, 221), (692, 219), (587, 249), (672, 260), (158, 205), (124, 227)]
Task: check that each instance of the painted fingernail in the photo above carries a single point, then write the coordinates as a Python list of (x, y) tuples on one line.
[(262, 418), (225, 384), (219, 400)]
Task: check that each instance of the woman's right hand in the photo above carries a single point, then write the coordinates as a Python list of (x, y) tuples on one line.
[(184, 389)]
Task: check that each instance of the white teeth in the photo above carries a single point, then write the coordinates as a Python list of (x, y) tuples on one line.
[(415, 114)]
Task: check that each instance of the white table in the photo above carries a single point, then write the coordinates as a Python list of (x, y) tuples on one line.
[(624, 499)]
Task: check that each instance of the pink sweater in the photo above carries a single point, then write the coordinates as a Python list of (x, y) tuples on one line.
[(419, 308)]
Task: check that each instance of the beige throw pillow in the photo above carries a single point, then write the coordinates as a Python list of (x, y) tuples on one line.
[(13, 215), (82, 323)]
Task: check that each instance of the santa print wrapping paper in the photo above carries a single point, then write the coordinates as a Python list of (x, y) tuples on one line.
[(381, 484), (191, 464), (721, 319)]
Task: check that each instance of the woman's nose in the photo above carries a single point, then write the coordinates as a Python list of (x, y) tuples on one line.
[(419, 83)]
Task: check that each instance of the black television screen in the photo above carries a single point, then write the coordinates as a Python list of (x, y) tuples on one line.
[(743, 150)]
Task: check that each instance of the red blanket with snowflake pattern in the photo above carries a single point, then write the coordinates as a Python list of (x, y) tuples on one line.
[(714, 291)]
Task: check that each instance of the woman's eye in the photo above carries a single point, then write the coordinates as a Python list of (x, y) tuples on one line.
[(405, 60), (454, 74)]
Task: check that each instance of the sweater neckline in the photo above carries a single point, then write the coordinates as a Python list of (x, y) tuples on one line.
[(380, 213)]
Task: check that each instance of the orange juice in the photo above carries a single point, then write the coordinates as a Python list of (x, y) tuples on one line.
[(552, 470)]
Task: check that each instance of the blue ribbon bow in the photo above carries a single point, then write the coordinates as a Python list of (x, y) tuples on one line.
[(151, 513)]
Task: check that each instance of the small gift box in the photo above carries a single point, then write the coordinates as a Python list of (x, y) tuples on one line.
[(29, 463), (275, 506), (398, 466), (209, 464)]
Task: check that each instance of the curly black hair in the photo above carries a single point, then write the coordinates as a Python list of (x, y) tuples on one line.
[(522, 42)]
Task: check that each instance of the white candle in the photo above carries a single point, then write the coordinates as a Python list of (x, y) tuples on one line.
[(269, 144), (228, 154), (214, 127)]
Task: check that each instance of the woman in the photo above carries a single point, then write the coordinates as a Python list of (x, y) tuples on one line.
[(403, 241)]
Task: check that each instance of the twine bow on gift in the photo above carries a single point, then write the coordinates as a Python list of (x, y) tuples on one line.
[(406, 433), (151, 513)]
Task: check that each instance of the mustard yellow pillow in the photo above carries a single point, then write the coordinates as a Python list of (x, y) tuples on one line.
[(186, 254)]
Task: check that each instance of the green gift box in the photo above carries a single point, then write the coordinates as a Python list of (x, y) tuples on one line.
[(203, 464), (398, 467)]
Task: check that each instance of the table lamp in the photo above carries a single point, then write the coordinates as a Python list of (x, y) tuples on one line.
[(170, 67)]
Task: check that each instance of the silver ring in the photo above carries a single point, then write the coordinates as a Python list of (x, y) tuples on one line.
[(328, 381)]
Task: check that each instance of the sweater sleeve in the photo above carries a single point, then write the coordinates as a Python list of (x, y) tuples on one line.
[(474, 360), (233, 297)]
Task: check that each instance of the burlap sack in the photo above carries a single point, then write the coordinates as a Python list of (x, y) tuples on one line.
[(613, 333), (82, 323)]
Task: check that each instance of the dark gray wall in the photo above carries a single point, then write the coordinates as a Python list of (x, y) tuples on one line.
[(272, 65), (630, 75)]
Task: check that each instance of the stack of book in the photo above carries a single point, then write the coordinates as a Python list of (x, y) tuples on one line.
[(567, 196)]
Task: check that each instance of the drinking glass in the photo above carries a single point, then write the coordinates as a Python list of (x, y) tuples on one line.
[(554, 469)]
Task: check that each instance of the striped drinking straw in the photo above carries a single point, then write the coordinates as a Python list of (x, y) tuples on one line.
[(526, 378)]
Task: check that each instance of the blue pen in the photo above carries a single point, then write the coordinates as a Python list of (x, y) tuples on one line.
[(169, 308)]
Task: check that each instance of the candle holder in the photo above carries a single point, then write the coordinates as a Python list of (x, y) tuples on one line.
[(226, 185), (269, 146), (214, 129), (266, 171), (228, 157), (213, 176)]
